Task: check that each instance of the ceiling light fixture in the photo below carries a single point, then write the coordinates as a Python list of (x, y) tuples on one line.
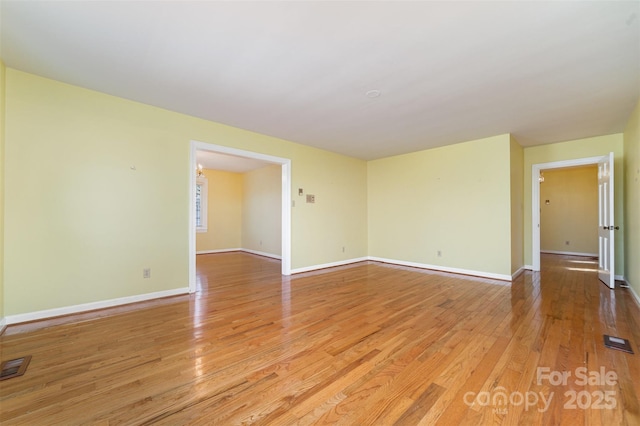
[(541, 178), (372, 93), (199, 173)]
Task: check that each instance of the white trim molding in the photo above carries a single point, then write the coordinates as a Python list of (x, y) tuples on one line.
[(517, 273), (328, 265), (3, 325), (262, 253), (490, 275), (633, 293), (535, 200), (256, 252), (569, 253), (92, 306), (502, 277), (218, 251), (285, 164)]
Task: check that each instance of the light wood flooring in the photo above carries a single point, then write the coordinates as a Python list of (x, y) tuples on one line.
[(365, 344)]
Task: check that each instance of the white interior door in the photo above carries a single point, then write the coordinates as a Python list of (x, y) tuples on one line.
[(606, 254)]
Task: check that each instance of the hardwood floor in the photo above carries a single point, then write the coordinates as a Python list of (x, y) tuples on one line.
[(362, 344)]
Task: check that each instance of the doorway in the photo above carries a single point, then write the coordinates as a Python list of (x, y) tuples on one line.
[(285, 164), (569, 211), (535, 202)]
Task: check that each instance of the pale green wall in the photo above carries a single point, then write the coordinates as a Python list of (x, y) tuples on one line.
[(517, 205), (262, 210), (454, 199), (632, 200), (2, 132), (224, 212), (570, 150), (572, 213), (90, 223)]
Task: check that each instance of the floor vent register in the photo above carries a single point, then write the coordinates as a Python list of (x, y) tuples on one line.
[(617, 343), (14, 367)]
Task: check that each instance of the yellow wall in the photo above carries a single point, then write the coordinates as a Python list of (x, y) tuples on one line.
[(90, 223), (517, 205), (224, 212), (572, 213), (108, 196), (570, 150), (632, 200), (340, 208), (262, 210), (454, 199), (244, 211), (2, 132)]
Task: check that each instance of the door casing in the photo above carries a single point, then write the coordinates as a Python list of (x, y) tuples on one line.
[(535, 199), (286, 201)]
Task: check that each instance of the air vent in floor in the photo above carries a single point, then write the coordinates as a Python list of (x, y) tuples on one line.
[(14, 367), (617, 343)]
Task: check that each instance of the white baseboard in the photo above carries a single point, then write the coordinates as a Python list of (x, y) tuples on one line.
[(569, 253), (262, 253), (501, 277), (328, 265), (617, 277), (3, 325), (259, 253), (218, 251), (56, 312), (633, 293), (482, 274), (518, 272)]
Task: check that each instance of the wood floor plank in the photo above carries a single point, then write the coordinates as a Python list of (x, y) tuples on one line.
[(362, 344)]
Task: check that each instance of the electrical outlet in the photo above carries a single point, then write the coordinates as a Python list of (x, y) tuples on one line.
[(146, 273), (311, 198), (566, 243), (439, 253), (343, 249)]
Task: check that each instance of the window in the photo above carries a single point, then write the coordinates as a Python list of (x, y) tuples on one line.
[(202, 202)]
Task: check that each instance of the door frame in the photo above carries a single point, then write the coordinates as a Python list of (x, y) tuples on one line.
[(535, 199), (285, 164)]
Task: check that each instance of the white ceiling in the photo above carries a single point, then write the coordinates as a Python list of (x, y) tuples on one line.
[(447, 72), (230, 163)]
